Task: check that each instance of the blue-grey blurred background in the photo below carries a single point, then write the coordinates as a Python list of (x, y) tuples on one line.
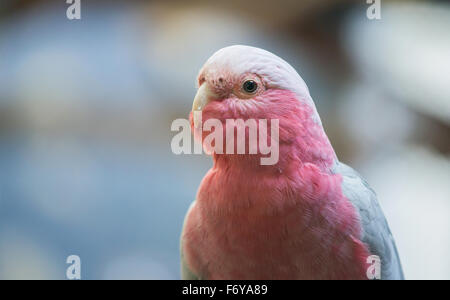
[(86, 106)]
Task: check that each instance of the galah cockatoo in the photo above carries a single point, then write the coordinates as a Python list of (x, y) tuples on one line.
[(307, 216)]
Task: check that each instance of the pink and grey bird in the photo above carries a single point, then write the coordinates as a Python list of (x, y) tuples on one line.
[(308, 216)]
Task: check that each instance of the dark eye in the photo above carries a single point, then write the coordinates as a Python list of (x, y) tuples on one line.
[(250, 86)]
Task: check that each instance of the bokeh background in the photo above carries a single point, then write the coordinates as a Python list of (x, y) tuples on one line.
[(86, 107)]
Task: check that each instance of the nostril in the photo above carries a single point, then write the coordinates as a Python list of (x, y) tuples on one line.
[(220, 79)]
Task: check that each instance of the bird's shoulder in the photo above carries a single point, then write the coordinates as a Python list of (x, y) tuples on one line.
[(375, 229)]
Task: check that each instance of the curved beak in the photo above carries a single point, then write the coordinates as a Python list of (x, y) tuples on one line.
[(202, 98)]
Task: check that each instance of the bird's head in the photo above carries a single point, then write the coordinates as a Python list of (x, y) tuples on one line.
[(242, 82)]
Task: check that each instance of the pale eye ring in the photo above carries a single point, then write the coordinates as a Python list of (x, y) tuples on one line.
[(250, 86)]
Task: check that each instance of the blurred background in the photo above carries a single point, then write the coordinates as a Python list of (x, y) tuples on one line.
[(86, 106)]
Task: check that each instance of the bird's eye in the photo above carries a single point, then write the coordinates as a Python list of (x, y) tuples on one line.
[(250, 86)]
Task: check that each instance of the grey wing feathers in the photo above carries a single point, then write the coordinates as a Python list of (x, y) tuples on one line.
[(376, 233)]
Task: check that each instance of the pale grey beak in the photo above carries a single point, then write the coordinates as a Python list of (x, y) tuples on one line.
[(202, 98)]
